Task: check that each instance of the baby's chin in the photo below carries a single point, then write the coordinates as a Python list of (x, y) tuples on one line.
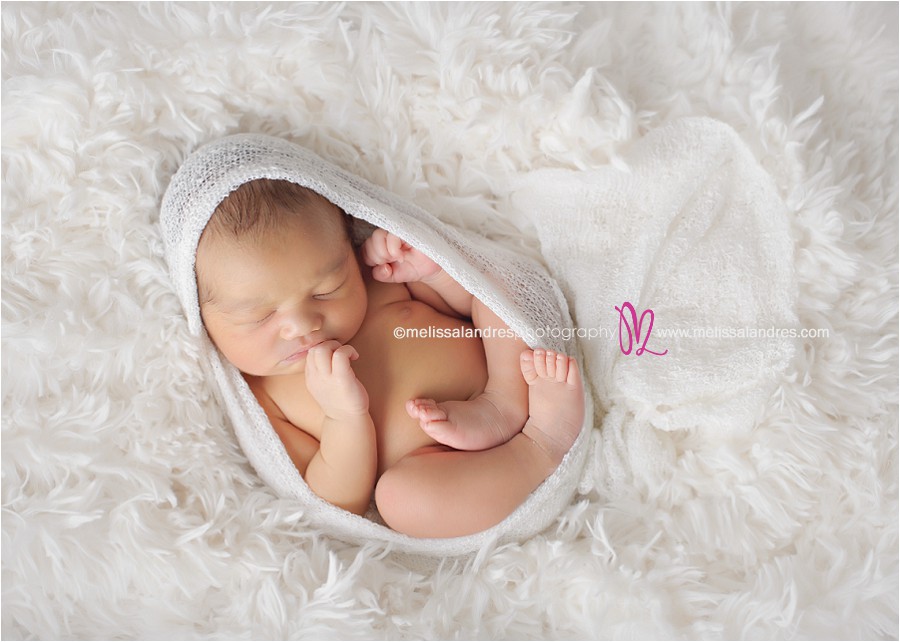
[(279, 369)]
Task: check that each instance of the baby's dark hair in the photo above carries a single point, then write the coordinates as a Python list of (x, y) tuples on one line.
[(263, 205)]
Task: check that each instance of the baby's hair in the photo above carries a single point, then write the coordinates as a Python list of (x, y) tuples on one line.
[(260, 206)]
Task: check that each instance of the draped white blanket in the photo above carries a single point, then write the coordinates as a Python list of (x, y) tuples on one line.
[(514, 287), (686, 236)]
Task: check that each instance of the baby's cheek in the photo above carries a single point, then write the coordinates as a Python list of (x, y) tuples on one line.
[(237, 343)]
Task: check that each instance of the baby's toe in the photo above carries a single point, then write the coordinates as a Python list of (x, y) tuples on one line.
[(526, 364), (434, 414), (562, 368), (425, 410), (540, 363), (573, 376), (415, 407), (551, 365)]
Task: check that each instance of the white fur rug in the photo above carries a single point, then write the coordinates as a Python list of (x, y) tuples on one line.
[(129, 511)]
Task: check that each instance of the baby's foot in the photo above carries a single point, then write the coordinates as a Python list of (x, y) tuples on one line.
[(555, 401), (478, 424)]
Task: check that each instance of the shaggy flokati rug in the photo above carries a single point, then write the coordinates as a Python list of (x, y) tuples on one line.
[(129, 511)]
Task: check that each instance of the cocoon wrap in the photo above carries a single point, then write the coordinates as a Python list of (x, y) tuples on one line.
[(516, 288)]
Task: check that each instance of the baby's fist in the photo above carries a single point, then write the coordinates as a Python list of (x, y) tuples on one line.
[(395, 260), (332, 382)]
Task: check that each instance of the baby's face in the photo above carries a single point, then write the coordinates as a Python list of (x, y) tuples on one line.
[(274, 298)]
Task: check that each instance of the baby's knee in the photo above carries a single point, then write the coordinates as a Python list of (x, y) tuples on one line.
[(404, 505)]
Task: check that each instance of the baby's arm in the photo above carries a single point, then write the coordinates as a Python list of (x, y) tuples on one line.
[(395, 261), (343, 470)]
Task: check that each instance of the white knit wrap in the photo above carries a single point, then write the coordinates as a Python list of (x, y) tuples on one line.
[(516, 288)]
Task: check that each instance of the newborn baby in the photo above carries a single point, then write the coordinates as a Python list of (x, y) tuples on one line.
[(449, 434)]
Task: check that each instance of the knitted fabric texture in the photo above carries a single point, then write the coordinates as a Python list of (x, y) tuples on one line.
[(516, 288), (690, 230)]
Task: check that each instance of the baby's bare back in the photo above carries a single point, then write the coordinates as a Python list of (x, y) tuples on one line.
[(394, 370)]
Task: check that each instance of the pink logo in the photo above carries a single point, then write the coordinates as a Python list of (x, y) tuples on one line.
[(636, 326)]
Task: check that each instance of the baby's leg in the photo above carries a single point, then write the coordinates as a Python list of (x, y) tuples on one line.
[(499, 412), (438, 492)]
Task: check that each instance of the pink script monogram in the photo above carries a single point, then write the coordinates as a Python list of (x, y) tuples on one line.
[(635, 324)]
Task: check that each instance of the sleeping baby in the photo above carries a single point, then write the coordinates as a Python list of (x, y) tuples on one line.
[(449, 435)]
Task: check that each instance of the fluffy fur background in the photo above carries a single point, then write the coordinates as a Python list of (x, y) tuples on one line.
[(129, 511)]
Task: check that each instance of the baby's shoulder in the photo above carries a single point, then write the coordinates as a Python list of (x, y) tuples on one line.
[(285, 398), (381, 295), (262, 389), (300, 444)]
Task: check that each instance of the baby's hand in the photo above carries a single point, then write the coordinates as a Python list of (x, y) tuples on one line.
[(395, 261), (332, 382)]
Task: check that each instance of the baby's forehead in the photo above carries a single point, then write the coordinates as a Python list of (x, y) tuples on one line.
[(308, 258)]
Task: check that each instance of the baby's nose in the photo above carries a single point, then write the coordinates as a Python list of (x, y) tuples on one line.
[(296, 326)]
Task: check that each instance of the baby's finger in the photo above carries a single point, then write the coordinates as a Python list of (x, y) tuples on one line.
[(340, 360), (316, 367), (329, 346), (347, 351), (374, 248), (394, 246), (383, 272), (321, 356)]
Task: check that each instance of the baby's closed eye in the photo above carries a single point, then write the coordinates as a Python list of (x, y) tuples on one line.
[(330, 290), (260, 319), (325, 295)]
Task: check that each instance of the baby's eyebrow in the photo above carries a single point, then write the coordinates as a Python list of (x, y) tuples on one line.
[(334, 265), (233, 307)]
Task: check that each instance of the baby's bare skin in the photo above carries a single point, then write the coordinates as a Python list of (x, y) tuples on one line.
[(447, 493), (500, 411), (312, 330), (392, 371), (425, 488)]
